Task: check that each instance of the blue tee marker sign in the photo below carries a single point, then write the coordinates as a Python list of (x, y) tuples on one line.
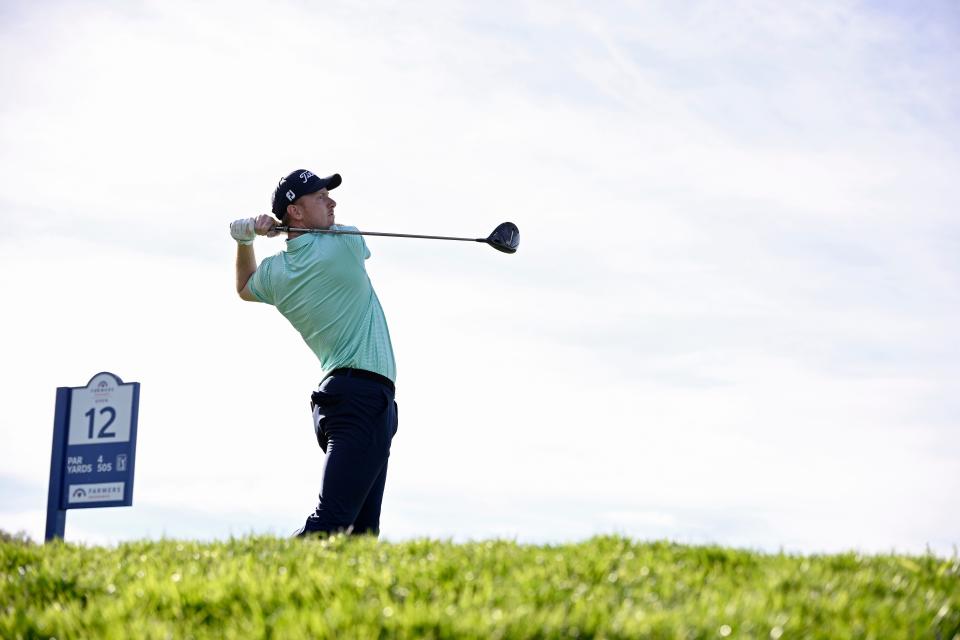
[(94, 447)]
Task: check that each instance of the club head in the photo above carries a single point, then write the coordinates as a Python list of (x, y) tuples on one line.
[(506, 238)]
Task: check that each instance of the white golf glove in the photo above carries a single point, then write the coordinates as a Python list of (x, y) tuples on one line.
[(243, 230)]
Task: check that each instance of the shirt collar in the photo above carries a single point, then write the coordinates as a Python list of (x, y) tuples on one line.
[(300, 241)]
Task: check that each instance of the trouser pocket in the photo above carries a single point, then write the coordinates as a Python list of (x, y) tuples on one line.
[(357, 410), (322, 406)]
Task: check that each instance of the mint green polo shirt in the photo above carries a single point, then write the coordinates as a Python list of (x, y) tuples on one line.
[(321, 286)]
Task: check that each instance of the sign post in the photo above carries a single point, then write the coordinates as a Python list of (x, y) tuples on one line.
[(94, 448)]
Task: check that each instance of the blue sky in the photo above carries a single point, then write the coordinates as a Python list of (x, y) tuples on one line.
[(732, 317)]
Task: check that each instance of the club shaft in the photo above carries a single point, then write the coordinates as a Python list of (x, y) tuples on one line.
[(374, 233)]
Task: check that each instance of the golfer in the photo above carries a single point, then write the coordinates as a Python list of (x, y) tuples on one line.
[(319, 283)]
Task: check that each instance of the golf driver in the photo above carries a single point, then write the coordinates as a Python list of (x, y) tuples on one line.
[(505, 238)]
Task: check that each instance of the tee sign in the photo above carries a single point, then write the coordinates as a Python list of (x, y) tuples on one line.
[(94, 448)]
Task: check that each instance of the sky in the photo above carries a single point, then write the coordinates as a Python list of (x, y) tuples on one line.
[(732, 318)]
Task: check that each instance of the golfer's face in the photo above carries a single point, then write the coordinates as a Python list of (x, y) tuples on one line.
[(319, 209)]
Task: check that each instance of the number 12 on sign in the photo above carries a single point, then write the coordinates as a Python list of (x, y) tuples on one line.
[(103, 433)]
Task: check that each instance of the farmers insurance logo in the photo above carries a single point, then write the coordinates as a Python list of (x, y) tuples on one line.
[(103, 389), (100, 492)]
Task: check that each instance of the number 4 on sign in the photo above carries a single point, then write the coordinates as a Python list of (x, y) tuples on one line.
[(103, 430)]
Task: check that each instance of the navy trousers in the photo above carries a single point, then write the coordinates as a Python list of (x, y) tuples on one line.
[(355, 420)]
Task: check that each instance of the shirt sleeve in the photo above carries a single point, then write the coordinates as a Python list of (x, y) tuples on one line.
[(259, 282), (357, 243)]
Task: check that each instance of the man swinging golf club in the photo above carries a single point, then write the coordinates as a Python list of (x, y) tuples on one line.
[(319, 283)]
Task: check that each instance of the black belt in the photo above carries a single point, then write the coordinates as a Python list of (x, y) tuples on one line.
[(363, 373)]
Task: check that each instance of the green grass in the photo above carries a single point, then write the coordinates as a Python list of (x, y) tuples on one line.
[(606, 587)]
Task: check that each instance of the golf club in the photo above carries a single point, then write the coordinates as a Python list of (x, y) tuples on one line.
[(505, 238)]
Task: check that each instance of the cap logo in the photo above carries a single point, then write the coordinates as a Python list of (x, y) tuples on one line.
[(291, 196), (306, 175)]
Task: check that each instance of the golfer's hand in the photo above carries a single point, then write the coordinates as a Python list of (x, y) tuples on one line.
[(264, 226), (243, 230)]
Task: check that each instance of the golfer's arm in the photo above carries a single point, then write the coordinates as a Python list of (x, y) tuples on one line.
[(246, 265)]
